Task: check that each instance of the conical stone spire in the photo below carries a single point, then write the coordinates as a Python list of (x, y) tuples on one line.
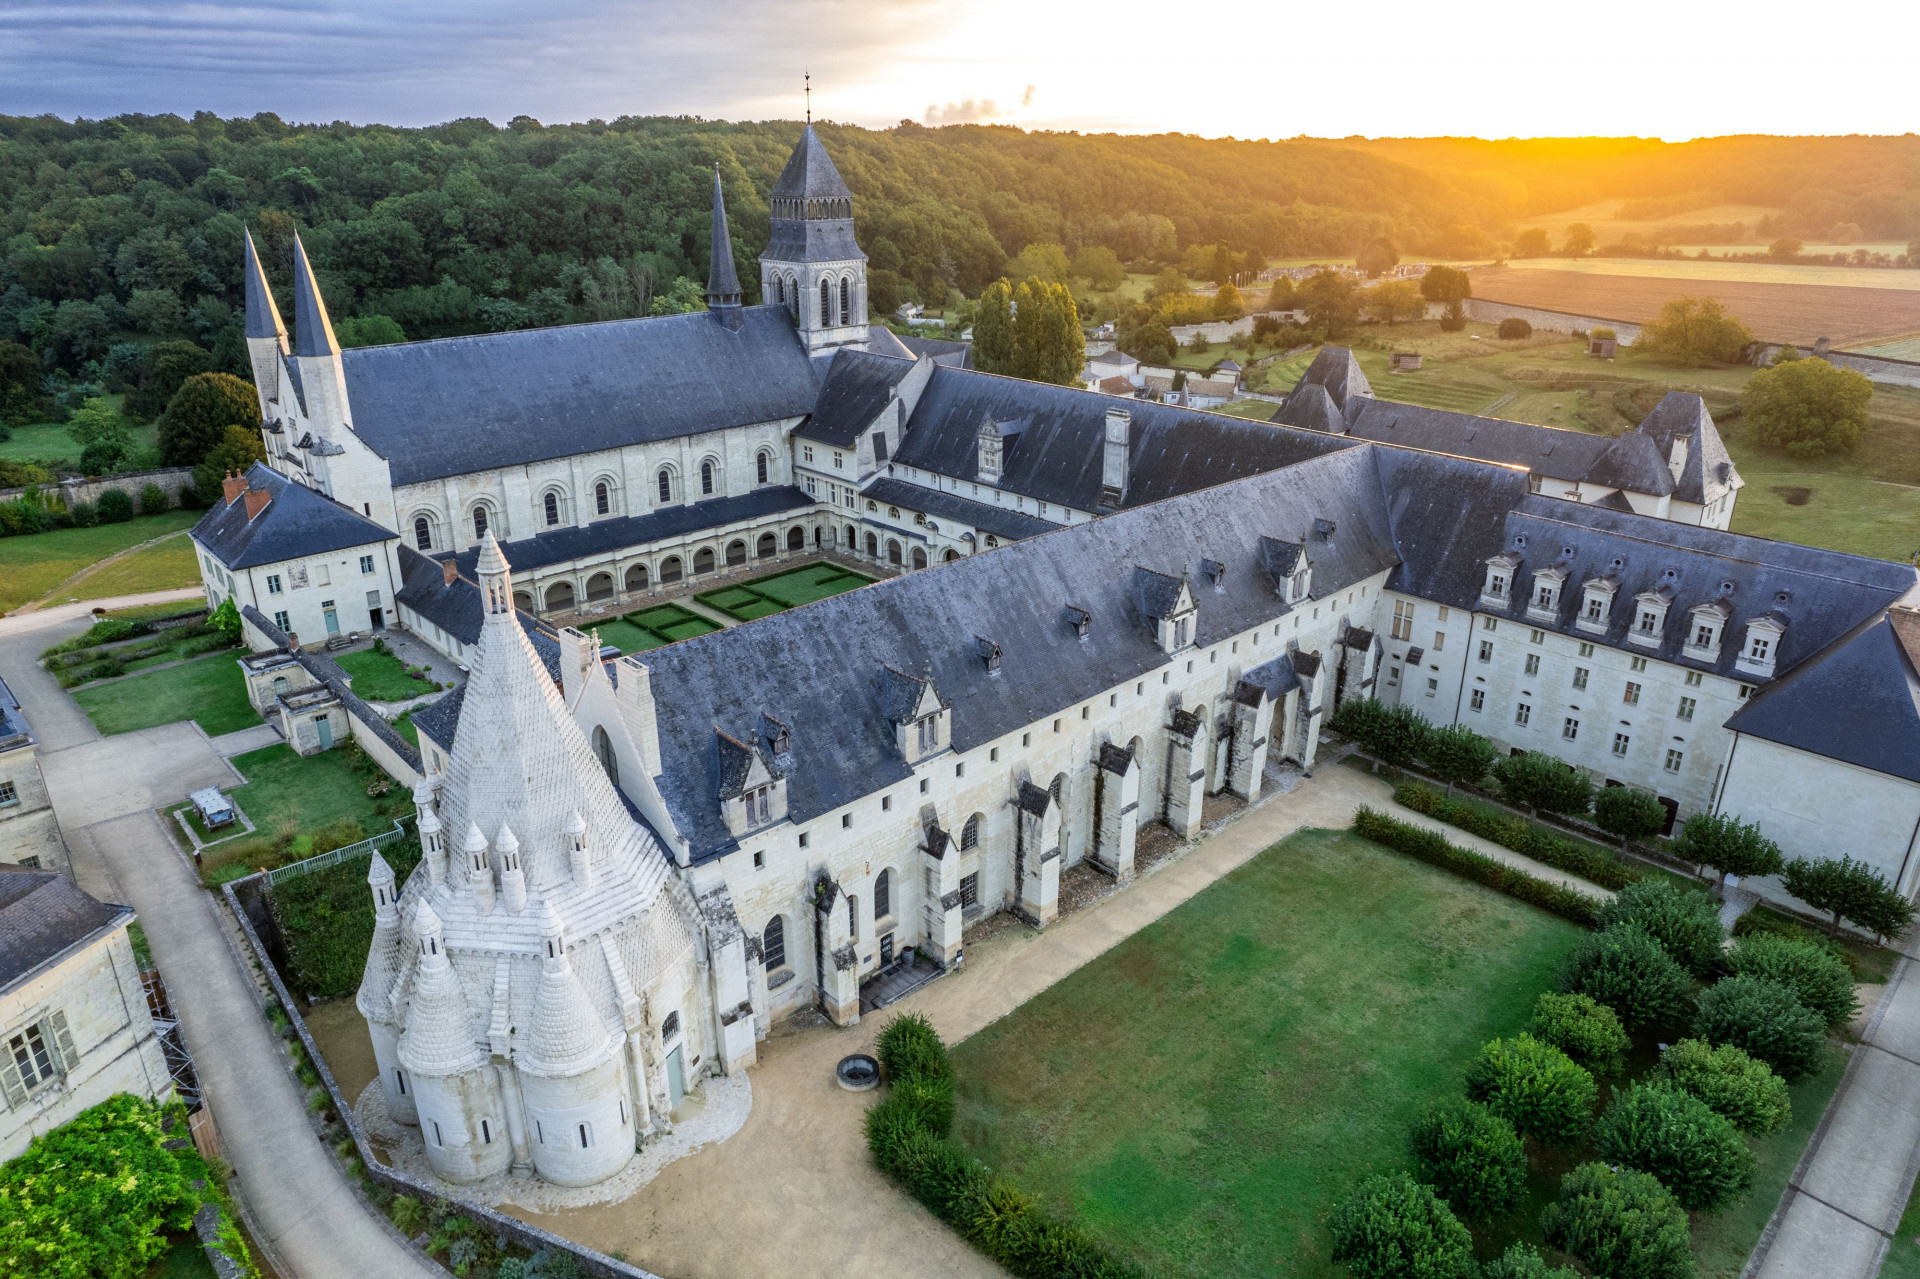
[(567, 1037), (312, 330), (439, 1035), (263, 314), (375, 997), (723, 281)]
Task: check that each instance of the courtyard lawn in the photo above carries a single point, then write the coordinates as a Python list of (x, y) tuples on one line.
[(32, 565), (382, 677), (1203, 1094), (291, 798), (208, 690), (776, 592), (669, 622), (626, 637)]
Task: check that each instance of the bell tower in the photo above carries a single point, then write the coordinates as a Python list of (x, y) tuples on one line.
[(812, 265)]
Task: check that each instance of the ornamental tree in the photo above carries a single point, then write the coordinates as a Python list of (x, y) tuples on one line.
[(1696, 1152), (1697, 330), (199, 414), (1446, 284), (1807, 408), (1729, 845), (1472, 1156), (1584, 1029), (1396, 735), (1818, 978), (1626, 969), (1396, 1228), (1457, 754), (1729, 1081), (1848, 889), (1685, 921), (1535, 1086), (1628, 813), (1623, 1224), (1544, 784), (1764, 1019)]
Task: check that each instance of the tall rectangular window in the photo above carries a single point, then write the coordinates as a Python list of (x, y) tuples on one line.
[(1403, 619), (1439, 641), (1674, 760), (1570, 730), (366, 564), (280, 619), (9, 794), (1523, 714), (273, 583), (1620, 743), (1477, 700), (1632, 695), (1486, 650), (1586, 650), (1580, 674), (1686, 708), (1693, 679), (1533, 663)]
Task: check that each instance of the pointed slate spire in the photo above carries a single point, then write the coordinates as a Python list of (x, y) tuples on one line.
[(811, 175), (312, 330), (723, 281), (263, 316)]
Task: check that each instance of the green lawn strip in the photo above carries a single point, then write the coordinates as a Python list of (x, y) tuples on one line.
[(208, 690), (1825, 506), (289, 796), (1723, 1240), (382, 677), (404, 727), (688, 629), (32, 565), (1903, 1255), (148, 612), (1204, 1093)]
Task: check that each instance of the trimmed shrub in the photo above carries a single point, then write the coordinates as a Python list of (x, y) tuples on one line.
[(1761, 922), (910, 1046), (930, 1099), (1626, 969), (1817, 978), (154, 499), (84, 514), (1684, 921), (1727, 844), (1732, 1083), (1395, 735), (1523, 1261), (1627, 813), (1767, 1021), (1432, 847), (1584, 1029), (1590, 862), (1695, 1151), (1545, 784), (1847, 889), (1623, 1224), (114, 507), (1396, 1228), (1456, 754), (1535, 1086), (1472, 1156), (1513, 328)]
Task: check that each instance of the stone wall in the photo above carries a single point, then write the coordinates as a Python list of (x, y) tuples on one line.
[(1879, 369), (172, 479), (1488, 312)]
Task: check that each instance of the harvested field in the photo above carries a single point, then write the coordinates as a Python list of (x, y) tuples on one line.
[(1775, 312), (1864, 277)]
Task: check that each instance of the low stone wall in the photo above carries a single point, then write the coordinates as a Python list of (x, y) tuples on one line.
[(1223, 330), (1488, 312), (75, 489), (1880, 369)]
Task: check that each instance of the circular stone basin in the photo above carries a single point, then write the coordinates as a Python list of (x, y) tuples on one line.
[(858, 1073)]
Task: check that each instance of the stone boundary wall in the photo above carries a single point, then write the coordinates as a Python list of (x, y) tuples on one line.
[(1223, 330), (75, 489), (252, 915), (1881, 369), (1489, 312)]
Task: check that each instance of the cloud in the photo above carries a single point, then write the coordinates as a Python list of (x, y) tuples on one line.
[(1026, 98), (965, 111)]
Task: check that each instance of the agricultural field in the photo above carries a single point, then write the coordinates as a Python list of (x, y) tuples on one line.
[(1798, 312), (1864, 277), (1901, 348)]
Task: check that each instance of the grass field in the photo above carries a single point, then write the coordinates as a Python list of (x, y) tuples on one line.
[(49, 441), (382, 677), (288, 796), (665, 623), (1801, 311), (778, 592), (208, 690), (1906, 348), (1205, 1092), (164, 566), (1903, 1256), (33, 565)]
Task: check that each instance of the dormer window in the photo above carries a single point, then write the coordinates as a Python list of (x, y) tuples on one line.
[(920, 719), (1545, 604), (1497, 590), (1299, 584), (1762, 649), (1650, 617), (1080, 620), (1703, 641), (989, 652), (1215, 571), (752, 791), (1596, 606)]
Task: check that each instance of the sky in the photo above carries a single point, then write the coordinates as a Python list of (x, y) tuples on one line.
[(1675, 70)]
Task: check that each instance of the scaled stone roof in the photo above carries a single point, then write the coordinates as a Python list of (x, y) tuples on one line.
[(42, 916), (857, 386), (454, 406), (1709, 472), (296, 523)]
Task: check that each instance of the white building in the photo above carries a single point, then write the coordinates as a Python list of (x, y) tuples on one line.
[(29, 831)]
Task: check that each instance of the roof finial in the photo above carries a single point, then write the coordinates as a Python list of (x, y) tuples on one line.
[(807, 78)]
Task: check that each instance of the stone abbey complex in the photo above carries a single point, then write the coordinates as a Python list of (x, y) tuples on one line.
[(1095, 614)]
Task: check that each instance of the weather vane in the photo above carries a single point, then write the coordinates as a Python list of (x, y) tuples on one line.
[(807, 78)]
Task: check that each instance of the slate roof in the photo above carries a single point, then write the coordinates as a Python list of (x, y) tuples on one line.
[(857, 386), (14, 729), (810, 173), (1709, 472), (1062, 431), (1858, 701), (955, 355), (457, 608), (1311, 406), (810, 182), (1544, 450), (297, 522), (459, 405), (263, 314), (441, 720), (312, 329), (42, 917), (822, 668), (957, 510), (338, 682), (1633, 463), (882, 340), (1336, 369)]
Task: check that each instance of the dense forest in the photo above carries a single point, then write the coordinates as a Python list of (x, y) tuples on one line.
[(122, 237)]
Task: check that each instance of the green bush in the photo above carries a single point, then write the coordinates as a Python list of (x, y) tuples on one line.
[(1472, 1156), (326, 920), (1513, 328), (1541, 782), (1456, 754), (1590, 862), (909, 1045), (1695, 1151), (85, 514), (1433, 848), (1767, 1021), (1817, 978), (1628, 813), (1684, 921), (1523, 1261), (930, 1098), (1396, 1228), (1727, 1079), (1626, 969), (1584, 1029), (154, 499), (96, 1197), (226, 619), (115, 507), (1395, 735), (1623, 1224), (1761, 922), (1535, 1086)]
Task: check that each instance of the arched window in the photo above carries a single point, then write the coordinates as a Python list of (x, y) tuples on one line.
[(1057, 787), (950, 556), (670, 1027), (280, 685), (882, 896), (893, 551), (970, 833), (706, 479), (919, 557), (773, 944), (846, 300), (780, 289), (479, 521), (603, 750), (637, 578), (602, 498), (792, 298), (796, 538), (551, 505), (422, 533), (670, 569), (559, 596), (826, 304), (761, 467), (873, 546), (666, 484), (851, 542)]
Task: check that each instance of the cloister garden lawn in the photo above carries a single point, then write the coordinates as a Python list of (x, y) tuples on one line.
[(207, 689), (1204, 1094)]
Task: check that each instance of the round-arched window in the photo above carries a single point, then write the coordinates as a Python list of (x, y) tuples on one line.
[(422, 533), (551, 504), (706, 479), (970, 833), (826, 304), (761, 466), (773, 944), (479, 521), (603, 751), (602, 498), (846, 301), (665, 482)]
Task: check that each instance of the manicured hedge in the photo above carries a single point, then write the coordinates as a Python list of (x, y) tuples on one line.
[(1590, 862), (1432, 847), (1626, 969), (1817, 978), (1623, 1224), (1766, 1020), (1584, 1029), (1695, 1151), (1685, 921), (907, 1134)]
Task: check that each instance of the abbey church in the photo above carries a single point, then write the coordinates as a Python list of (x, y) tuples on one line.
[(1094, 614)]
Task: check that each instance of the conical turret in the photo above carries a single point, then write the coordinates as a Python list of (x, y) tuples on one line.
[(513, 881), (266, 335), (579, 853), (439, 1035), (567, 1037), (433, 838), (479, 870), (375, 998), (723, 281)]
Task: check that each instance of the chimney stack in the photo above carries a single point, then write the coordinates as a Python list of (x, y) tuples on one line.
[(1116, 461), (257, 500), (449, 572), (233, 486)]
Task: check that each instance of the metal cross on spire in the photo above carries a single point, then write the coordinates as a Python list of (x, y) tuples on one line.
[(807, 80)]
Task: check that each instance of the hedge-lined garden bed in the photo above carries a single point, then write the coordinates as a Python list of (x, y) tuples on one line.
[(1432, 847), (1590, 862)]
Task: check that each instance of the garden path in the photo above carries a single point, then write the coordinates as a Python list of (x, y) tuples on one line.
[(818, 1203), (259, 737)]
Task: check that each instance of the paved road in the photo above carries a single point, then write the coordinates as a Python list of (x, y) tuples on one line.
[(105, 790)]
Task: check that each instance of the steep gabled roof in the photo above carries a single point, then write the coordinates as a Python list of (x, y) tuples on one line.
[(1635, 464), (297, 522), (1543, 450), (1709, 472), (1336, 369), (810, 173), (1857, 701), (43, 917), (857, 386)]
